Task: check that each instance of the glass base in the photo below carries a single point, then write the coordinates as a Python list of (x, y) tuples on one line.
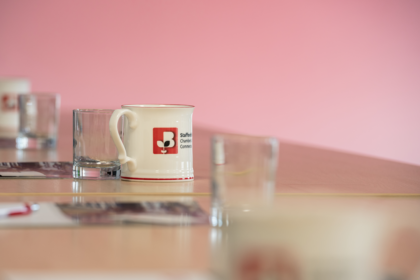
[(102, 173), (23, 142)]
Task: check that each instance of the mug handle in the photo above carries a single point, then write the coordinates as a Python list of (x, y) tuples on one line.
[(113, 129)]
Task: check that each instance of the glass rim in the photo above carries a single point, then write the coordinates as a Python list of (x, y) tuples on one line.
[(40, 94), (94, 110)]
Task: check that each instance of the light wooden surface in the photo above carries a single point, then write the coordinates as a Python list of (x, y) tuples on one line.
[(302, 171)]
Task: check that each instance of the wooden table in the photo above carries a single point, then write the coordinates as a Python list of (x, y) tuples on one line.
[(305, 174)]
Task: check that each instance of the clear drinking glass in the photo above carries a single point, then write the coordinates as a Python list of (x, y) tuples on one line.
[(9, 112), (243, 174), (38, 120), (94, 153)]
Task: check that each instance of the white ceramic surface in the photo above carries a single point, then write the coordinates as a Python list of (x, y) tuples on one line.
[(157, 142)]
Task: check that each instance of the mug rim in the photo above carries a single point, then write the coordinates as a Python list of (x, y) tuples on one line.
[(159, 106)]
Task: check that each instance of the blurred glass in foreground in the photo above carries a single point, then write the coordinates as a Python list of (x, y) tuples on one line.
[(38, 121), (243, 174), (320, 239)]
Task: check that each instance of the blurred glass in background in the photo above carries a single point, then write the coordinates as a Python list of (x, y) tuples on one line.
[(9, 112), (38, 120)]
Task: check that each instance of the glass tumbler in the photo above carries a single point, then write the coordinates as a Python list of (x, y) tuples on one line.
[(243, 174), (9, 112), (38, 120), (94, 153)]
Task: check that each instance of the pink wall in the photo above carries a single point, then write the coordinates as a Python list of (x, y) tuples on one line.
[(340, 74)]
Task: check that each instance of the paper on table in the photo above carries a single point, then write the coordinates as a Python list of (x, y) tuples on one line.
[(22, 174), (94, 213), (96, 275), (36, 170), (146, 212), (48, 214)]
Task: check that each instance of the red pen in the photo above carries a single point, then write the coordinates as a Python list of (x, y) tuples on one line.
[(18, 210)]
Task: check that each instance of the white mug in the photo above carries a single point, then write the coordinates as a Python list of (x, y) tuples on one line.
[(157, 142), (9, 113)]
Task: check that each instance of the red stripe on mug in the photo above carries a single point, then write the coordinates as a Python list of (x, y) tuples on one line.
[(157, 179)]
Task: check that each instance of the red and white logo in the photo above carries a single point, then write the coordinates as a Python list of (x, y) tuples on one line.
[(9, 102), (165, 140)]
